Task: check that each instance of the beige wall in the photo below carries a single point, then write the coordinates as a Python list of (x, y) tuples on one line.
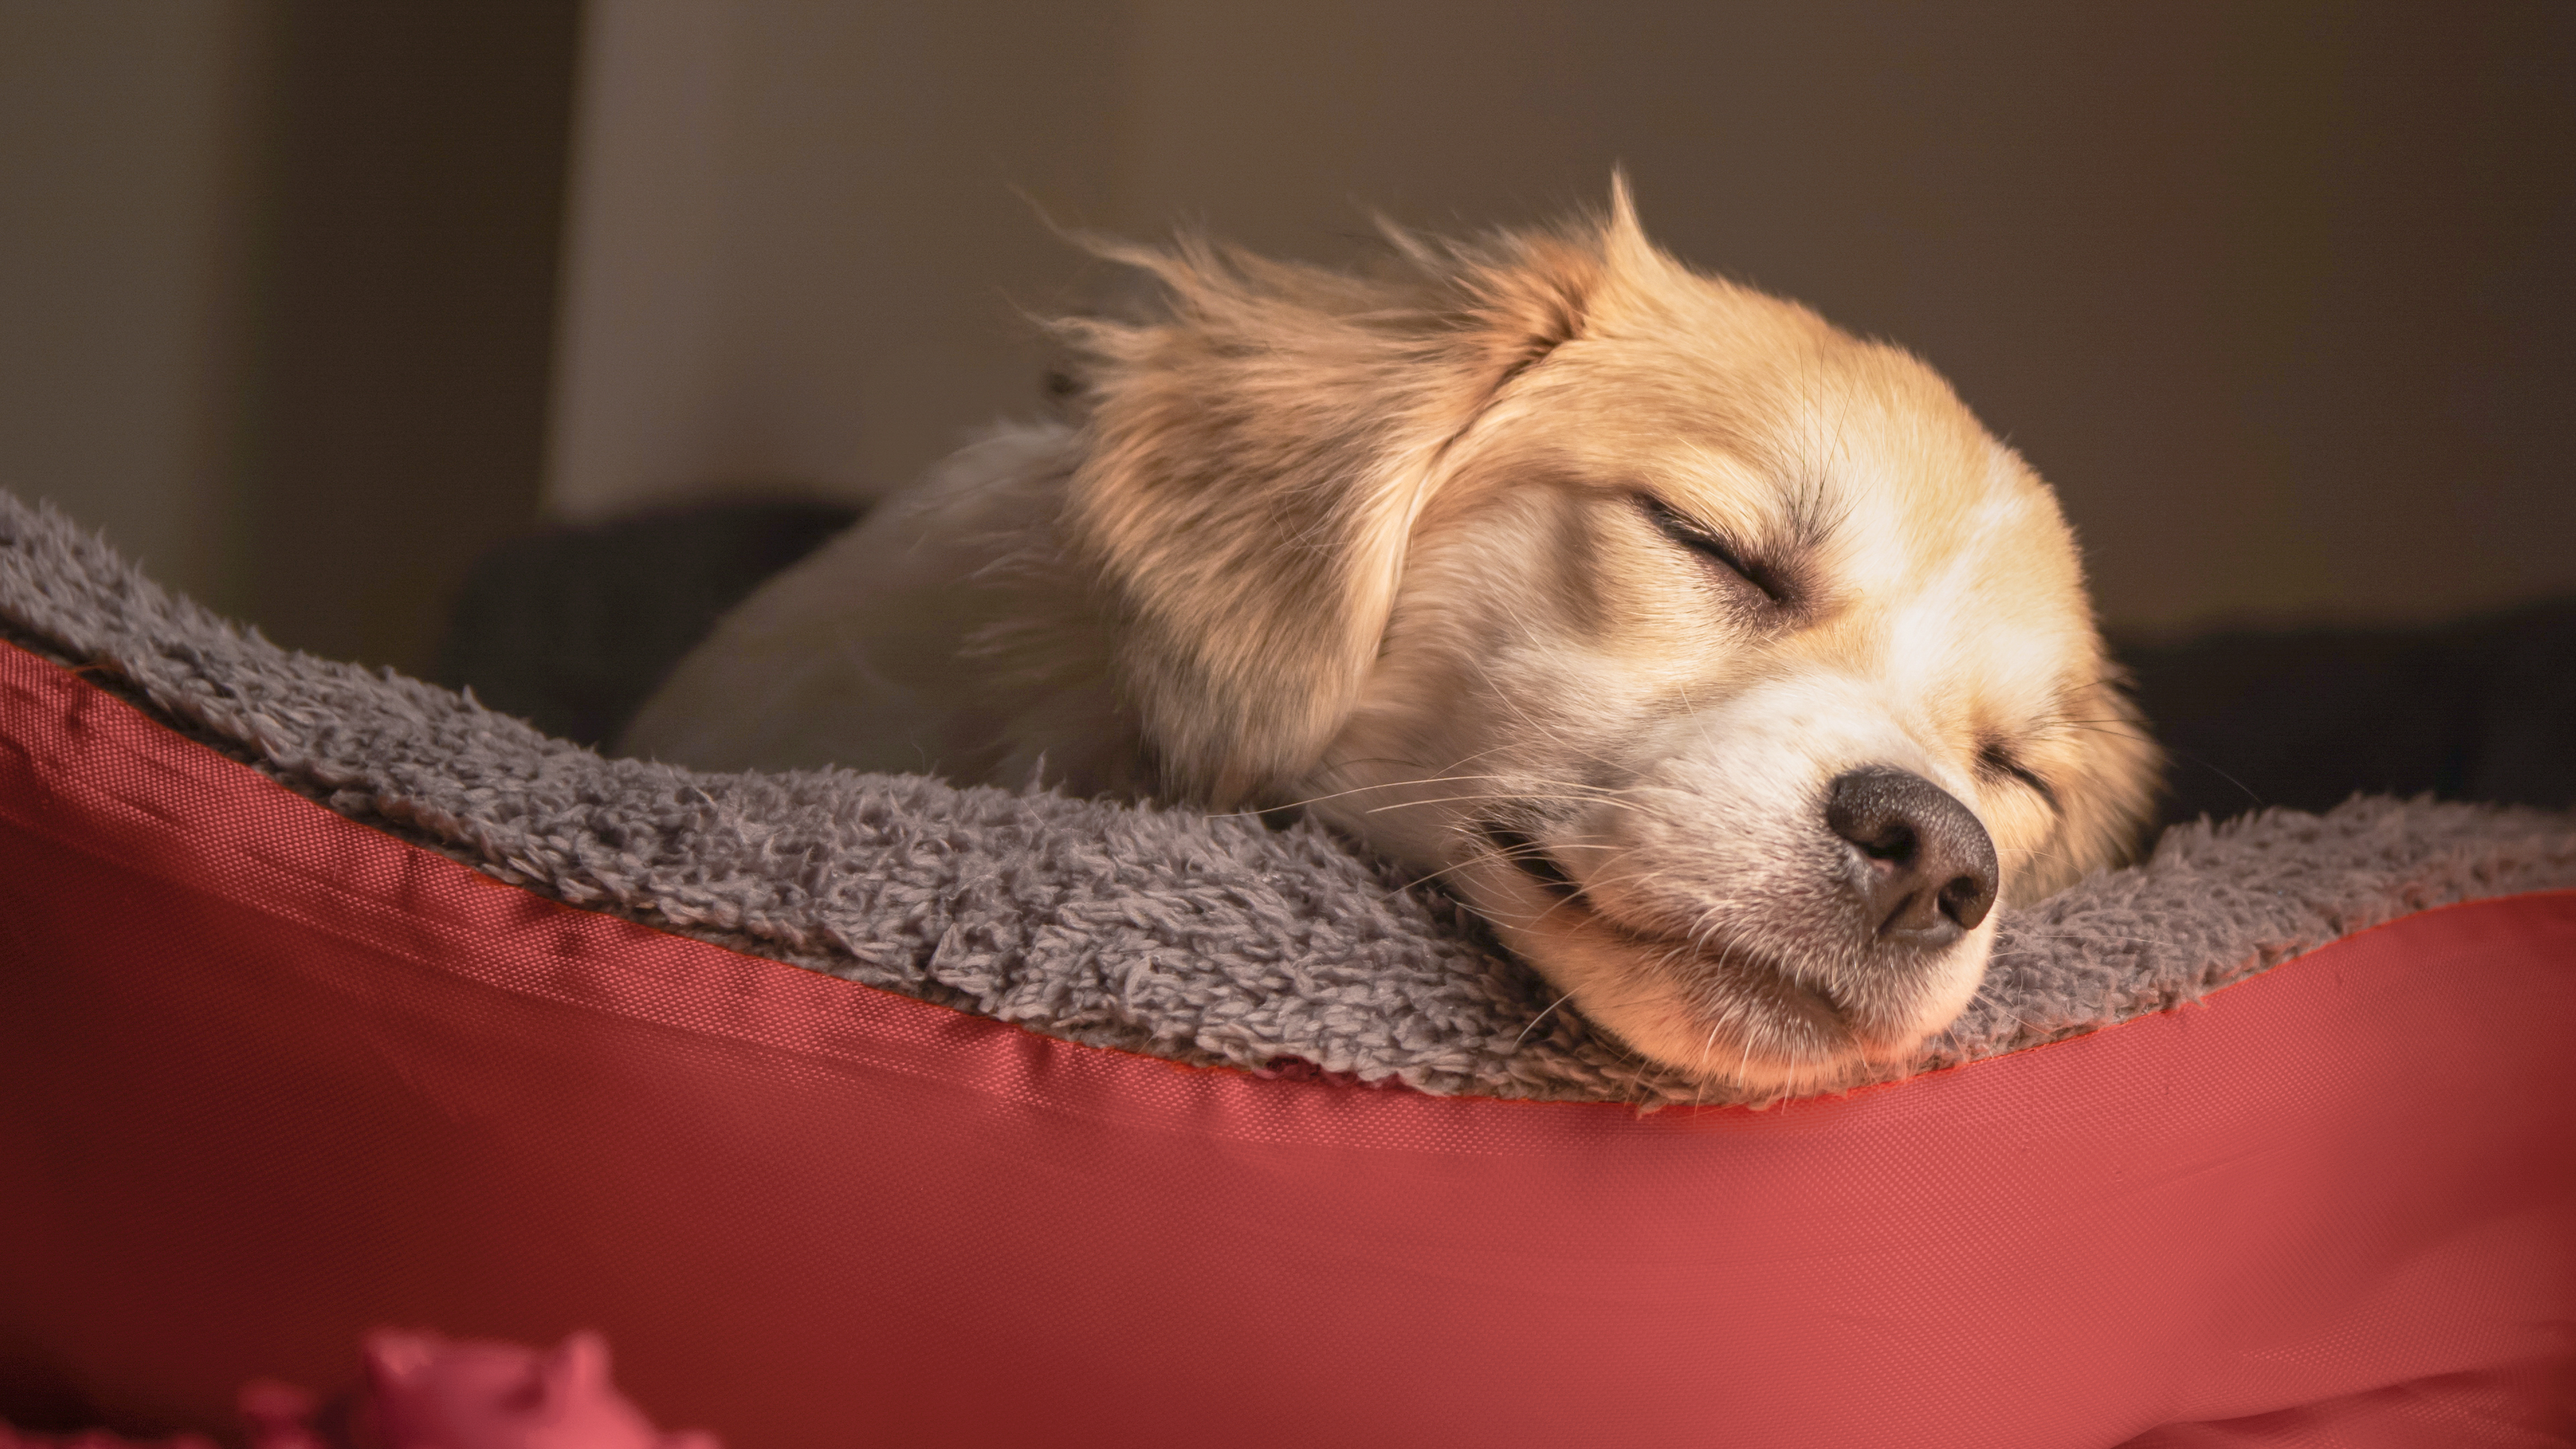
[(123, 231), (277, 293), (796, 256), (2275, 294), (2278, 295)]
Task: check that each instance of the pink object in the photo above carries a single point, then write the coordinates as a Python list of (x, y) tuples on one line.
[(425, 1392), (422, 1391), (268, 1077)]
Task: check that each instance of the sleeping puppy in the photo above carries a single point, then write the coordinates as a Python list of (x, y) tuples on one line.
[(1718, 658)]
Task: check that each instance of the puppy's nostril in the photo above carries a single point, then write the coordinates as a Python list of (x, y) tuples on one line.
[(1926, 867), (1966, 899), (1895, 844)]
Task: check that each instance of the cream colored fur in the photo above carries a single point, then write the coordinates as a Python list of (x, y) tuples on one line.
[(1407, 550)]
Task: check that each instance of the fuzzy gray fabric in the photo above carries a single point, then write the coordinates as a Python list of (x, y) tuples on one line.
[(1201, 938)]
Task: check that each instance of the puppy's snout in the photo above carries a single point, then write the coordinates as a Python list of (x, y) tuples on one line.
[(1924, 865)]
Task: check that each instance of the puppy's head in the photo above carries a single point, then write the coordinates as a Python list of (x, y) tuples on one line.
[(1720, 659)]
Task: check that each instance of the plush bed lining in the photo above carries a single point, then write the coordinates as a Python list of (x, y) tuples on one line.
[(1204, 939)]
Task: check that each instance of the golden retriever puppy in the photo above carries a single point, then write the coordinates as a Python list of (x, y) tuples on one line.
[(1718, 658)]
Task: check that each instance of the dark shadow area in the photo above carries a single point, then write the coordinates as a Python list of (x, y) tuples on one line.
[(37, 1395), (571, 629), (2483, 709), (396, 409)]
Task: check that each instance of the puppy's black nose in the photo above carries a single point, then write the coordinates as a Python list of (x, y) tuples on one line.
[(1925, 867)]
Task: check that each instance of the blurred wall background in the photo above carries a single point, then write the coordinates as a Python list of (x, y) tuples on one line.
[(277, 293), (309, 303), (126, 213)]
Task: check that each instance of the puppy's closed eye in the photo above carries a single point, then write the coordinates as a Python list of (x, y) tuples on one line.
[(1997, 759), (1717, 549)]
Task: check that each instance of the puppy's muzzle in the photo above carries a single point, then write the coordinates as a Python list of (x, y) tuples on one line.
[(1922, 867)]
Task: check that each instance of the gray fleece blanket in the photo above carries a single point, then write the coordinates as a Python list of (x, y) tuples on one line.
[(1207, 939)]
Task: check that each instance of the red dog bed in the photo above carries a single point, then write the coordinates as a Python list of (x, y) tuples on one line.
[(271, 1077)]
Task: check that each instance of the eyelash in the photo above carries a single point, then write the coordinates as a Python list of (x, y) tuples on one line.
[(1995, 760), (1707, 545)]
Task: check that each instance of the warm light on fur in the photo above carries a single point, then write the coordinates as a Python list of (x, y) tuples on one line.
[(1542, 564)]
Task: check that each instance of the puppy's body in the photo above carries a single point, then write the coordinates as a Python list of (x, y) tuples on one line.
[(945, 634), (1720, 659)]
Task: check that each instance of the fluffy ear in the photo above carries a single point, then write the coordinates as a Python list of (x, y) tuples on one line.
[(1256, 457)]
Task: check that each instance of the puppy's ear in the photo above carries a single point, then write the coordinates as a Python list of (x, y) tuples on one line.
[(1256, 457), (1115, 292)]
